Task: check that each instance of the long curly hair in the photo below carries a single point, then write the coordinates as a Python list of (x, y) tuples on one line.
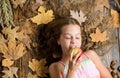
[(50, 33)]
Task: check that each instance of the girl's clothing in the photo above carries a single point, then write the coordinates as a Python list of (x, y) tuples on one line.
[(87, 69)]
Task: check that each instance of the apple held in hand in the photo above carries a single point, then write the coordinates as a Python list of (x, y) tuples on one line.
[(75, 51)]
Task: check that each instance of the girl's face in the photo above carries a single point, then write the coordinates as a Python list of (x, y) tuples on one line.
[(70, 37)]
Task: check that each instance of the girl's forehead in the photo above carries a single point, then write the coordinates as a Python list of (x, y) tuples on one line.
[(71, 29)]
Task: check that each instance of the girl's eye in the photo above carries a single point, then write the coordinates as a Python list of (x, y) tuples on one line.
[(77, 37), (68, 37)]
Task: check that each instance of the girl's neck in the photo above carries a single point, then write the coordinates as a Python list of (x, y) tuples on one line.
[(65, 60)]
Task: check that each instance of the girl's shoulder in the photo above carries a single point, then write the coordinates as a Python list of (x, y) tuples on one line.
[(92, 54), (55, 70), (56, 66)]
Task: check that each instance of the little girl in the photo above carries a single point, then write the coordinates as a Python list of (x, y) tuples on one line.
[(65, 34)]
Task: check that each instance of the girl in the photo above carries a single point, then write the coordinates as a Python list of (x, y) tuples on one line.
[(65, 34)]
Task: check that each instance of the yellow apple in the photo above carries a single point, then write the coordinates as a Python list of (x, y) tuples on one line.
[(75, 51)]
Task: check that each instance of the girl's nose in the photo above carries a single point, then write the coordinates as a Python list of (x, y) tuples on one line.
[(73, 41)]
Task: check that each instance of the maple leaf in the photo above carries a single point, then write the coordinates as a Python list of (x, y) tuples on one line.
[(79, 16), (43, 17), (27, 28), (98, 36), (39, 67), (101, 4), (7, 62), (13, 33), (16, 3), (10, 73), (12, 50), (2, 39), (40, 2), (30, 75), (27, 42), (116, 18)]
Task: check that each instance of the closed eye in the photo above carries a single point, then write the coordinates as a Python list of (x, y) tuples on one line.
[(77, 37), (67, 37)]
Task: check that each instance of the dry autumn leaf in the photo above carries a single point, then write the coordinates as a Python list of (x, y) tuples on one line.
[(40, 2), (39, 67), (101, 4), (7, 62), (98, 36), (43, 16), (2, 39), (10, 73), (27, 28), (12, 50), (27, 41), (116, 18), (79, 16), (30, 75), (13, 33), (16, 3)]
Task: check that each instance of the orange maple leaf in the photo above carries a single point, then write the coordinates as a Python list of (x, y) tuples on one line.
[(2, 39), (115, 18), (7, 62), (98, 36)]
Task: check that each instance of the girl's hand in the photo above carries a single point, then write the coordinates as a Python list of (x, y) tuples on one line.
[(74, 61), (74, 64)]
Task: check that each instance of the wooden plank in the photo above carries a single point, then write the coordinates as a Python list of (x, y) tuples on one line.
[(113, 53)]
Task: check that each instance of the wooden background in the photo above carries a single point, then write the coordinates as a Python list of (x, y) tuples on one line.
[(23, 10)]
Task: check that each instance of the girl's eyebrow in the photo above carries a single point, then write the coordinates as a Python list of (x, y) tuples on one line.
[(70, 34), (66, 34)]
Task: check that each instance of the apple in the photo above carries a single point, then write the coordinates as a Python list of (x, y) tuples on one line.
[(75, 51)]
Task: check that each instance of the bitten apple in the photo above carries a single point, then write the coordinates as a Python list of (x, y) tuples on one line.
[(75, 51)]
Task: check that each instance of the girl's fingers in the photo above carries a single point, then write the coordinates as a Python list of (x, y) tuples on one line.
[(76, 58), (74, 61)]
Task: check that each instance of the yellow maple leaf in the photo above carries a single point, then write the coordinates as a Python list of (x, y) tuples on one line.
[(10, 73), (12, 33), (30, 75), (39, 67), (7, 62), (43, 16), (12, 50), (98, 36)]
